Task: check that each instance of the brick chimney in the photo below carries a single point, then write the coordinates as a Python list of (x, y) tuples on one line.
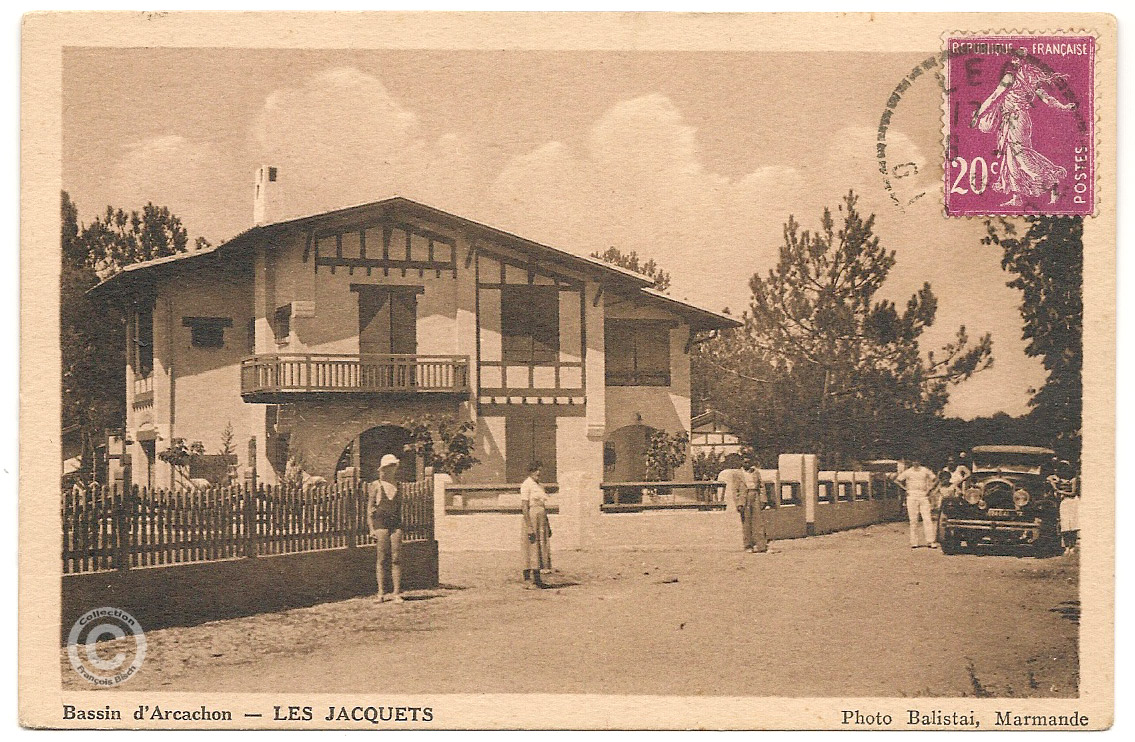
[(267, 201)]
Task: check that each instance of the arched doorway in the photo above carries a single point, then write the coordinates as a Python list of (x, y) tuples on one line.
[(375, 443), (624, 453)]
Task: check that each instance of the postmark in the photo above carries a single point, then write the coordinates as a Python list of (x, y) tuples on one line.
[(1019, 124), (106, 646)]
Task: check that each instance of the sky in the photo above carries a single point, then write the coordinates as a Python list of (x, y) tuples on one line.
[(695, 159)]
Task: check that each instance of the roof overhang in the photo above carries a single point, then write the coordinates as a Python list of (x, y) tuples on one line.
[(134, 276)]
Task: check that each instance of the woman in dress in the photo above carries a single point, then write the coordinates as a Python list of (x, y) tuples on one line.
[(1022, 170), (536, 533)]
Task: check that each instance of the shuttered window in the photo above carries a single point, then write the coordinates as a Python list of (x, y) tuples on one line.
[(530, 324), (637, 353)]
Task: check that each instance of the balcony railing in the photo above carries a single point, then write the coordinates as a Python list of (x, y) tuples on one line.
[(283, 375)]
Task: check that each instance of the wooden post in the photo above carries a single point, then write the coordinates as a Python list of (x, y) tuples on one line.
[(248, 504), (252, 459), (121, 557), (351, 495)]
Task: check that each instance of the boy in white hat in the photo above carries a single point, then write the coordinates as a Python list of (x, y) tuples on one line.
[(384, 514)]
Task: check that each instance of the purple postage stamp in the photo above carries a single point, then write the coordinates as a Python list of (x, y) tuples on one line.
[(1020, 125)]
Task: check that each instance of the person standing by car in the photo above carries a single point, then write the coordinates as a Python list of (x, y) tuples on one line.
[(920, 483), (384, 515), (536, 534)]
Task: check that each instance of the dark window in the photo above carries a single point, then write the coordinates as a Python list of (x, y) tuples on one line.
[(825, 493), (637, 353), (207, 332), (252, 335), (530, 435), (282, 323), (530, 324), (789, 493), (144, 342), (843, 491), (770, 494)]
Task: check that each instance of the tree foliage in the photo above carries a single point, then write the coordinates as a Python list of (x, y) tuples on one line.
[(1047, 260), (631, 262), (93, 334), (821, 364)]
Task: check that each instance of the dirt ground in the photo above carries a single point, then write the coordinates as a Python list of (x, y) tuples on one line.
[(855, 613)]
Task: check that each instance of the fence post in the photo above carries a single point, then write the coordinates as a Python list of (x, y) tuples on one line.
[(121, 536), (350, 495), (248, 504)]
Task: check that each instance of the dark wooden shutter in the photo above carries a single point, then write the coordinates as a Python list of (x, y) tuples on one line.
[(544, 308), (652, 354), (516, 340), (403, 323), (374, 322), (144, 342), (619, 353), (530, 435)]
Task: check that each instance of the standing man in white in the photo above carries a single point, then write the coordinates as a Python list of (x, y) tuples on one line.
[(384, 515), (919, 483)]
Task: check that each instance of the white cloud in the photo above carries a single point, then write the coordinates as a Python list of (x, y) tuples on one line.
[(640, 184), (167, 170), (340, 138)]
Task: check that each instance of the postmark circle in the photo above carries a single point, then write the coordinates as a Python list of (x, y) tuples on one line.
[(123, 646)]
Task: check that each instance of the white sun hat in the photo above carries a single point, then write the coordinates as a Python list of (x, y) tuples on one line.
[(388, 460)]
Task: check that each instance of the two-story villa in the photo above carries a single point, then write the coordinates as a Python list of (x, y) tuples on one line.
[(322, 338)]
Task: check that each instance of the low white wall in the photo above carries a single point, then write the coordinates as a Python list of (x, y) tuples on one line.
[(580, 524)]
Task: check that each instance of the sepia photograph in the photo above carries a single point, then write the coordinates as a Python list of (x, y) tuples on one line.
[(719, 369)]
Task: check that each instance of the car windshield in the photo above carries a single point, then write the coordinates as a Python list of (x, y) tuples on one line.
[(1021, 463)]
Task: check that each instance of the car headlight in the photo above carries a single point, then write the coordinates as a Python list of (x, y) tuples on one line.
[(1020, 498), (973, 496)]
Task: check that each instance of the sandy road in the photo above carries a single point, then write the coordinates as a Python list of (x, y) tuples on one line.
[(854, 613)]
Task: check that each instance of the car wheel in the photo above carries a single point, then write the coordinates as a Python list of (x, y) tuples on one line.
[(1048, 542)]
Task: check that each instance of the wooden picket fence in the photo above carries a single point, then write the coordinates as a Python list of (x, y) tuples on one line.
[(106, 528)]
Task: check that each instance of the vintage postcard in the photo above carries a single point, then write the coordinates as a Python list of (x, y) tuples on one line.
[(586, 371)]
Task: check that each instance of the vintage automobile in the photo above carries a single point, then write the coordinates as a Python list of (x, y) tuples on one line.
[(1010, 498)]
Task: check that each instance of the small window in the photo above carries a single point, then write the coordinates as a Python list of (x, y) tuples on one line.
[(861, 491), (843, 491), (825, 492), (251, 335), (790, 493), (207, 332), (282, 323)]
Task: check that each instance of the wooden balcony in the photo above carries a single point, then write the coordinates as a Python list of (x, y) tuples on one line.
[(280, 377)]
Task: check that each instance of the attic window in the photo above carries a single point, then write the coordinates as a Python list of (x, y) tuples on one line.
[(207, 332), (271, 175)]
